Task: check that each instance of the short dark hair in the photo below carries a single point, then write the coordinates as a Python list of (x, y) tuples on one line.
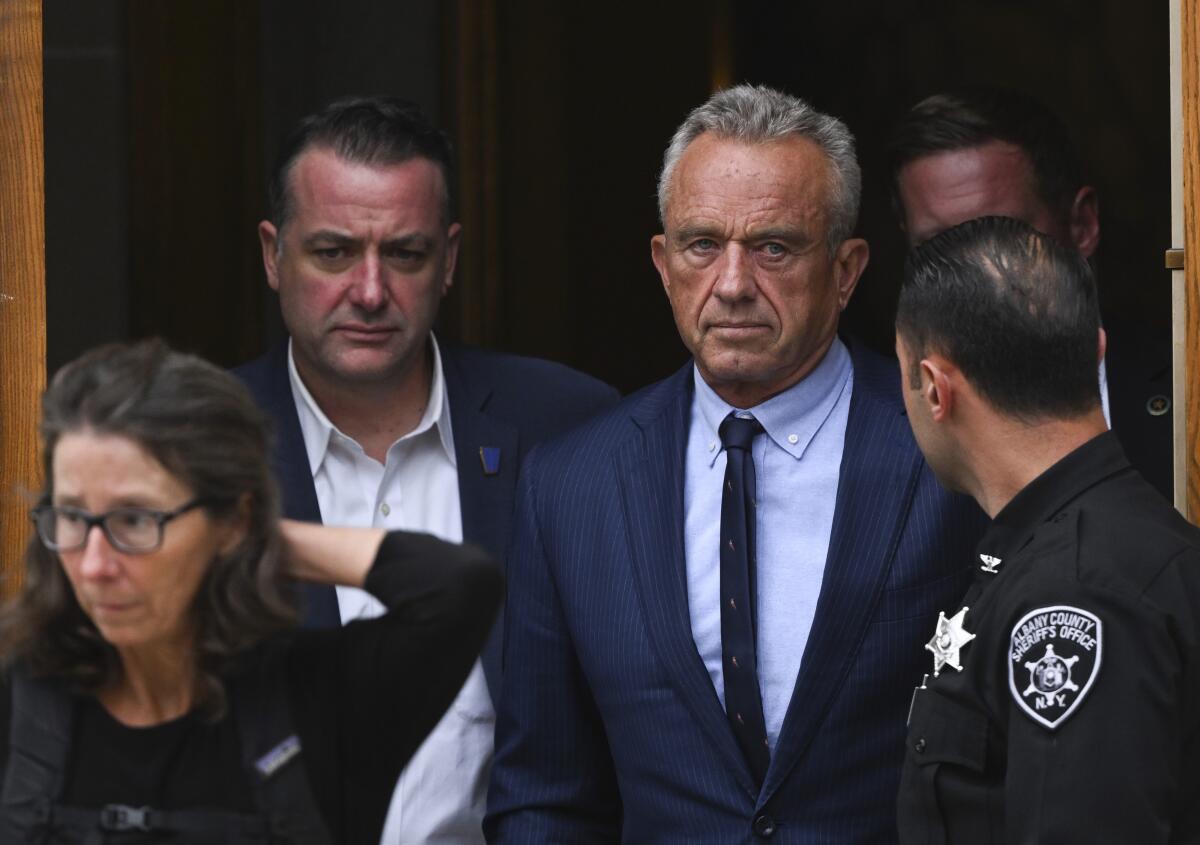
[(199, 422), (1011, 307), (975, 116), (376, 131)]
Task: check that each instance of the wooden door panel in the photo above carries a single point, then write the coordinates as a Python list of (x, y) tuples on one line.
[(22, 273)]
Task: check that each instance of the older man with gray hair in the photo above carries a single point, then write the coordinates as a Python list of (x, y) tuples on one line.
[(716, 589)]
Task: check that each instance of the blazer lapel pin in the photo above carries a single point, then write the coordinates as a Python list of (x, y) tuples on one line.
[(489, 456)]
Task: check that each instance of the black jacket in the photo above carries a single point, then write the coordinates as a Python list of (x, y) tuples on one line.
[(1074, 716)]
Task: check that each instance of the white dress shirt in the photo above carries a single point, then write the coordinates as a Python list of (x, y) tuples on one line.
[(441, 794)]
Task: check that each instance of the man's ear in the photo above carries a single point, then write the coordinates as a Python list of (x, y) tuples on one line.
[(268, 238), (849, 261), (453, 239), (938, 388), (658, 254), (1084, 221)]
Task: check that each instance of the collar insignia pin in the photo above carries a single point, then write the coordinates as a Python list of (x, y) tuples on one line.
[(489, 456), (989, 564), (948, 641)]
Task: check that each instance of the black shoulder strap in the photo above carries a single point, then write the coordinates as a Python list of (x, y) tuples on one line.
[(40, 729), (42, 724), (272, 752)]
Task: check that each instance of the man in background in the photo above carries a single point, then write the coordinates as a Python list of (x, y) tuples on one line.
[(718, 590), (955, 157), (1063, 698), (379, 423)]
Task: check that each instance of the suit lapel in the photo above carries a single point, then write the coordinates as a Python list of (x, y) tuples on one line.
[(485, 497), (879, 471), (294, 475), (293, 470), (650, 473)]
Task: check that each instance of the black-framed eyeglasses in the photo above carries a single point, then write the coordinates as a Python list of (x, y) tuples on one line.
[(132, 530)]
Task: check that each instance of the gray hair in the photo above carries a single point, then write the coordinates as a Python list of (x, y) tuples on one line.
[(754, 114)]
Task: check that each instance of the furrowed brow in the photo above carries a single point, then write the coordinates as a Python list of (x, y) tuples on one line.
[(328, 237), (793, 237), (414, 241), (690, 233)]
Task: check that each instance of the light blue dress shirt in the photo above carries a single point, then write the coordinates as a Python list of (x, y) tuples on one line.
[(797, 464)]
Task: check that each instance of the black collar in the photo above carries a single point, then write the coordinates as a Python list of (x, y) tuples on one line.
[(1094, 461)]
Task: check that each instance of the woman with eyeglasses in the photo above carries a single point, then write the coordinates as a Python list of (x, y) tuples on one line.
[(155, 685)]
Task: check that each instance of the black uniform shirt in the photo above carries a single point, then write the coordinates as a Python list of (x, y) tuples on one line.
[(1074, 716)]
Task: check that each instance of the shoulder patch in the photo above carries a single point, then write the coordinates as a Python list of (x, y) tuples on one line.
[(1053, 660)]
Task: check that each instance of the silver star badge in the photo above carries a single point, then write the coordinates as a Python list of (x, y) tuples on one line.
[(948, 640), (989, 564)]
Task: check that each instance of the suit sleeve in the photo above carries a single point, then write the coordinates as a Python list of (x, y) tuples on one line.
[(553, 779)]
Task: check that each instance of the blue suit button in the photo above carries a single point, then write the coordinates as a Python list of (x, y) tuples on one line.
[(764, 826)]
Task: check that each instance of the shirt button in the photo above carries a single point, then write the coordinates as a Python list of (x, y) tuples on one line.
[(712, 446), (919, 745), (793, 439), (385, 509), (763, 826)]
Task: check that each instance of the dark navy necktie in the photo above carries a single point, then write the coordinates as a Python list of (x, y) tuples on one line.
[(743, 702)]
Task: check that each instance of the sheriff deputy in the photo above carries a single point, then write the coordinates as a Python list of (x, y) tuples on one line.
[(1063, 699)]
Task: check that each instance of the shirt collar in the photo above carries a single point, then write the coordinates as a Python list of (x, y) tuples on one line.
[(318, 431), (792, 418)]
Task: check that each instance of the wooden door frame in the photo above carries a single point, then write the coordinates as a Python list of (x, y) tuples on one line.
[(22, 274), (1183, 258)]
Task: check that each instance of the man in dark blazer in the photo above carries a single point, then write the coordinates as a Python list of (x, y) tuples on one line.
[(377, 423), (988, 151), (720, 588)]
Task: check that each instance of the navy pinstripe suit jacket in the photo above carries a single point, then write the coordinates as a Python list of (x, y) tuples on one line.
[(609, 728)]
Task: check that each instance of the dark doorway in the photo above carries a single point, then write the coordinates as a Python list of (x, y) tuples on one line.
[(1101, 67), (561, 112)]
